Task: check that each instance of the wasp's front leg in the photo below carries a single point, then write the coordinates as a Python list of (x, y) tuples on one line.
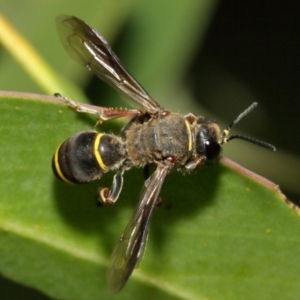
[(193, 164), (190, 118)]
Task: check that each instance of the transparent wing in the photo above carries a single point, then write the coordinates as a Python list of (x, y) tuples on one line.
[(86, 46), (132, 243)]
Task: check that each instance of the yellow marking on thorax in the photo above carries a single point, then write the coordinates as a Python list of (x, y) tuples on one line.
[(57, 167), (100, 162), (188, 127)]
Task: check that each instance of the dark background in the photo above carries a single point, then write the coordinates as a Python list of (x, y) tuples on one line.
[(258, 43)]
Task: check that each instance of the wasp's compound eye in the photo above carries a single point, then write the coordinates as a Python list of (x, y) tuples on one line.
[(212, 149)]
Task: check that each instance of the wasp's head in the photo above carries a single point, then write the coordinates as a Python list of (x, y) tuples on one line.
[(207, 139)]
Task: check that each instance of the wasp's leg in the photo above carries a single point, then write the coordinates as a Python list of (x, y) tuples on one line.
[(190, 118), (110, 196), (193, 164), (104, 113)]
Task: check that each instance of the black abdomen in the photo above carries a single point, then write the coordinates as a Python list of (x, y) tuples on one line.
[(86, 156)]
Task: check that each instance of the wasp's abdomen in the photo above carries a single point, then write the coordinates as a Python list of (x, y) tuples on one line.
[(86, 156), (158, 139)]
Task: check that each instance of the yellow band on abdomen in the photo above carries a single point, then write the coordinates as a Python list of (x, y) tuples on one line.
[(57, 167), (97, 153)]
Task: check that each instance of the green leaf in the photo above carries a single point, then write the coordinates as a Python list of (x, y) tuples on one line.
[(224, 233)]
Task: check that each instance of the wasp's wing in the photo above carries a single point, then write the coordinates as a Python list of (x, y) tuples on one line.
[(86, 46), (131, 246)]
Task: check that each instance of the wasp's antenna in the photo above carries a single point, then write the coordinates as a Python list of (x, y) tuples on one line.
[(225, 139)]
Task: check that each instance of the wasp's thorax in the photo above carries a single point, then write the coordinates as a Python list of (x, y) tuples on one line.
[(166, 136)]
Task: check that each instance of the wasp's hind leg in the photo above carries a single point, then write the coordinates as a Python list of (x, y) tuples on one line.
[(104, 113), (110, 196)]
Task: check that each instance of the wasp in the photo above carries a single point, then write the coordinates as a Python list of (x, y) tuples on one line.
[(153, 136)]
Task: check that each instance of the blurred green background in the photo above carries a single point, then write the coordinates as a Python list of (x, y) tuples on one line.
[(212, 58)]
